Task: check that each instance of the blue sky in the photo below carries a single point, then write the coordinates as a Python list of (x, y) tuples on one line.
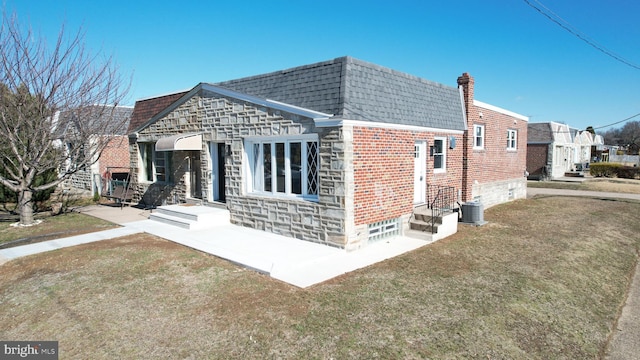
[(521, 61)]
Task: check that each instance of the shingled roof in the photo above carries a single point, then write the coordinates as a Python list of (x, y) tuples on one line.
[(356, 90), (146, 109), (539, 133), (347, 88)]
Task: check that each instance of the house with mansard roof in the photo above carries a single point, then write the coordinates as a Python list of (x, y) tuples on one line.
[(341, 152)]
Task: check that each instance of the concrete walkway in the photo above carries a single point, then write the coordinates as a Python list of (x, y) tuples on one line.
[(625, 340), (531, 192), (296, 262)]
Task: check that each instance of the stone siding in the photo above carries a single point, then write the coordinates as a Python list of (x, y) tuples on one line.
[(498, 192), (81, 180), (228, 121)]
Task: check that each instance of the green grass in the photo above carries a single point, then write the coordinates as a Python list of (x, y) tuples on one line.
[(544, 279), (52, 227)]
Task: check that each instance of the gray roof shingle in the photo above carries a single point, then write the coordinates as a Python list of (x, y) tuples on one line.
[(539, 133), (356, 90)]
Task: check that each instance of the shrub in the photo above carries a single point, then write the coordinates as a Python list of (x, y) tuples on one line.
[(603, 169), (628, 172), (614, 169)]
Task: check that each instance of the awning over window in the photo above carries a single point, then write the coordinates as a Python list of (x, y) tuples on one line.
[(180, 142)]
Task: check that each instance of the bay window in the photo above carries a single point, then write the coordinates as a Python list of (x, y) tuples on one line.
[(283, 166)]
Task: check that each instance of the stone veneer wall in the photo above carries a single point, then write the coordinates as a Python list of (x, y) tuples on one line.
[(228, 121), (81, 180), (499, 192)]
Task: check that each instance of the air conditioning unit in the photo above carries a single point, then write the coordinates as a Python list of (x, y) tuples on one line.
[(473, 213)]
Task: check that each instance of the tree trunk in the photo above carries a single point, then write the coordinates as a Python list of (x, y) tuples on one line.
[(25, 206)]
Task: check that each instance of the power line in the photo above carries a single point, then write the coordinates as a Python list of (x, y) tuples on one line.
[(565, 25), (540, 131), (618, 122)]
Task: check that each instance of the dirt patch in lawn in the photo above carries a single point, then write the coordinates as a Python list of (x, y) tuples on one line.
[(545, 280)]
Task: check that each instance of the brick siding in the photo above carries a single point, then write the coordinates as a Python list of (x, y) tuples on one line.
[(383, 163), (494, 164), (537, 160)]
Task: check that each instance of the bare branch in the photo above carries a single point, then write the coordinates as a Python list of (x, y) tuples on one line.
[(57, 104)]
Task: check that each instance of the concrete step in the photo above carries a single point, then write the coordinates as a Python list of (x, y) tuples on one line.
[(420, 235), (191, 217), (423, 226), (173, 220), (425, 216)]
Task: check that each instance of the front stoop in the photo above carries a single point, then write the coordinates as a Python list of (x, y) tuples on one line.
[(191, 217), (420, 226)]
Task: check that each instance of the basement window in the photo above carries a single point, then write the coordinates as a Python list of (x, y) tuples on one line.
[(383, 229)]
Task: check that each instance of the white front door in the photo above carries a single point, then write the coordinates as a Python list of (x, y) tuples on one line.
[(420, 172)]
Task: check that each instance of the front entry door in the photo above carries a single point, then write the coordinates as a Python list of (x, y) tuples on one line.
[(217, 171), (195, 175), (420, 172)]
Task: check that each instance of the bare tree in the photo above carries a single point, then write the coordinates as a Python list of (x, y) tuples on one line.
[(57, 108)]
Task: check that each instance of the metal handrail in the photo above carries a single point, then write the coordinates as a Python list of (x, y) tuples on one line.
[(443, 200)]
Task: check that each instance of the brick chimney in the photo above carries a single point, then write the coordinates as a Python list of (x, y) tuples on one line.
[(466, 81)]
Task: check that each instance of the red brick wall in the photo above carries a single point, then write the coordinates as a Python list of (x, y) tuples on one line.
[(494, 162), (537, 158), (116, 153), (383, 161)]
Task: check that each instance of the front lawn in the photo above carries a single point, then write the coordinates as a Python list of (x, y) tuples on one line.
[(52, 227), (544, 279)]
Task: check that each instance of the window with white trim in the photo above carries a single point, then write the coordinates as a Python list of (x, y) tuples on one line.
[(439, 153), (283, 166), (156, 165), (478, 136), (512, 136)]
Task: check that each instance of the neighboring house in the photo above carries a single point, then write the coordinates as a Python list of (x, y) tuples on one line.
[(114, 159), (551, 150), (597, 148), (588, 146), (582, 141), (339, 152)]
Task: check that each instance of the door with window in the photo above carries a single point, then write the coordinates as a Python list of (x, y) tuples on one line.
[(217, 151), (195, 176), (420, 172)]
